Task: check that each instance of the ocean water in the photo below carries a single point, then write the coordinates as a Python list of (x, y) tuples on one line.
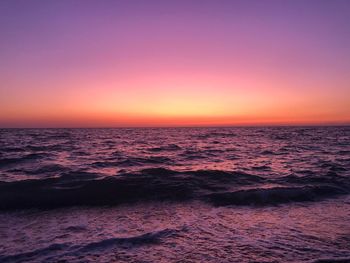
[(242, 194)]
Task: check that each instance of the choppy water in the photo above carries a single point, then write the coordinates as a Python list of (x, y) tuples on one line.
[(175, 195)]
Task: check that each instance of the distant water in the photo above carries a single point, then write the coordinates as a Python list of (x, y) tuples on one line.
[(254, 194)]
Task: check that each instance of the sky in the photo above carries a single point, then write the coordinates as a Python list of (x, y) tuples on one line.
[(86, 63)]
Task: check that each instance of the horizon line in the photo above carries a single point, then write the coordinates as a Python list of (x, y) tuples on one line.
[(185, 126)]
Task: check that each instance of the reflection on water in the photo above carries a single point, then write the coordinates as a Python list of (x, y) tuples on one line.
[(170, 232), (183, 194), (264, 151)]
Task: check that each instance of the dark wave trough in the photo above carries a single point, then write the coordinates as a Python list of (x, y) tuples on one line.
[(216, 187)]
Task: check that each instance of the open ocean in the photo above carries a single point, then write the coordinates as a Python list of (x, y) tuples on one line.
[(242, 194)]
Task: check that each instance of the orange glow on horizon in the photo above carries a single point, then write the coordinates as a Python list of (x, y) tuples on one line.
[(146, 68), (168, 100)]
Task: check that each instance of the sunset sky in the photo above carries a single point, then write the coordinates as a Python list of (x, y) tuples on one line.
[(174, 63)]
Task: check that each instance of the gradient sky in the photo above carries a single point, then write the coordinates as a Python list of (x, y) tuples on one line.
[(181, 62)]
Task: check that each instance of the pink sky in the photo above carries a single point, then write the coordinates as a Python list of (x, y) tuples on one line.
[(161, 63)]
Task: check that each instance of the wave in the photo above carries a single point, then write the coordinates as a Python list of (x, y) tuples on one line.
[(262, 168), (82, 188), (268, 152), (274, 196), (170, 147), (77, 228), (133, 161), (13, 149), (67, 249), (309, 177), (60, 135), (42, 148), (148, 238), (216, 134), (332, 260), (17, 160), (32, 255), (217, 187), (48, 169)]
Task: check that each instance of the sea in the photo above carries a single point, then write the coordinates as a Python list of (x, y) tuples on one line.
[(218, 194)]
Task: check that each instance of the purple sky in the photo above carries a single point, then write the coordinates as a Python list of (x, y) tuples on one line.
[(117, 63)]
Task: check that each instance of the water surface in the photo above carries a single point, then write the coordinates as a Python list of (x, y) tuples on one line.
[(266, 194)]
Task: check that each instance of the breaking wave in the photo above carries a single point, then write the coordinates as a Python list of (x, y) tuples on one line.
[(160, 184), (276, 195)]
